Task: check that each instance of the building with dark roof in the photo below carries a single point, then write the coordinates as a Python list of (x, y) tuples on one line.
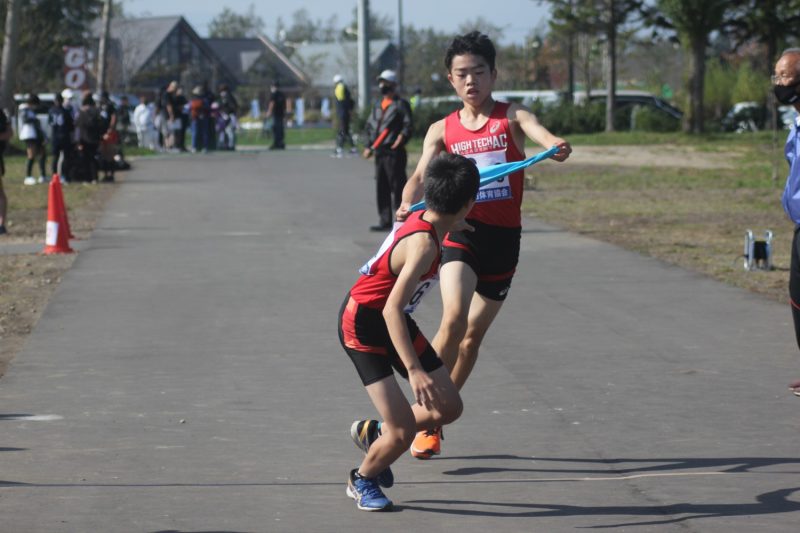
[(322, 61), (145, 54), (258, 61)]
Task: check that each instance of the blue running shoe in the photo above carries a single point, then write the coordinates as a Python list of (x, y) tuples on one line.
[(367, 493), (364, 433)]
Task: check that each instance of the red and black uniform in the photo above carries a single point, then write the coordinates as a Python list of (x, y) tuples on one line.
[(362, 328), (492, 250)]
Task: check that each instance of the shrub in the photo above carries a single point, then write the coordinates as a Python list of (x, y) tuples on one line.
[(649, 119)]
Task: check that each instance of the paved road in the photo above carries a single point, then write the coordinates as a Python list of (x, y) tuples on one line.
[(186, 376)]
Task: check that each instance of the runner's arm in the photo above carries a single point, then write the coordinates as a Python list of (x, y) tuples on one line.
[(534, 130), (431, 147), (415, 253)]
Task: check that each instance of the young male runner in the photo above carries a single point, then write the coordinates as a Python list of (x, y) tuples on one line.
[(477, 267), (378, 334)]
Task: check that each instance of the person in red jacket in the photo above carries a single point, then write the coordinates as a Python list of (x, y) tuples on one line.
[(380, 336), (477, 267)]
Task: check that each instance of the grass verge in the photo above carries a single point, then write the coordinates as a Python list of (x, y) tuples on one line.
[(694, 218)]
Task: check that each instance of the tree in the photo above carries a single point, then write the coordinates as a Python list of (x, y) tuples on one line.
[(769, 22), (304, 29), (751, 85), (380, 27), (718, 87), (229, 24), (585, 21), (616, 14), (45, 27), (9, 53), (693, 22), (424, 60)]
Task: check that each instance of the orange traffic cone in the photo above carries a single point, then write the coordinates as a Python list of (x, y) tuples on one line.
[(60, 195), (56, 239)]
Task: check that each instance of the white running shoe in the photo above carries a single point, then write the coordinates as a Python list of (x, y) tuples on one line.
[(30, 180)]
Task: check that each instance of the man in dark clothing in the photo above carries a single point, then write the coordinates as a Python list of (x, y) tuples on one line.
[(344, 108), (62, 127), (388, 130), (277, 110), (180, 108), (110, 137), (91, 128)]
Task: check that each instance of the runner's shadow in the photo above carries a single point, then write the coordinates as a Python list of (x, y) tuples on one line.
[(14, 416), (626, 465), (775, 502)]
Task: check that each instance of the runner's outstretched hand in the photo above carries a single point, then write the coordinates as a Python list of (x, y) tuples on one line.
[(564, 149)]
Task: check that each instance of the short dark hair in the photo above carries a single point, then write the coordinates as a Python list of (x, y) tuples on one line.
[(451, 181), (475, 43)]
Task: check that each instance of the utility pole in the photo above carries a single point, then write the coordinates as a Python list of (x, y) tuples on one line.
[(102, 73), (363, 54), (9, 58), (401, 59)]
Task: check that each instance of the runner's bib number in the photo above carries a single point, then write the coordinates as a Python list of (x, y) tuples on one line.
[(422, 288), (496, 190)]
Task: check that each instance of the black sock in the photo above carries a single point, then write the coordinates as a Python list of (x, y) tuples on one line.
[(30, 167)]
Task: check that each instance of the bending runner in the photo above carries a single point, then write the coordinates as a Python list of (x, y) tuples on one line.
[(380, 336), (477, 267)]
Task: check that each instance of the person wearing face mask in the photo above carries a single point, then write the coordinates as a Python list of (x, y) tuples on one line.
[(387, 131), (786, 85)]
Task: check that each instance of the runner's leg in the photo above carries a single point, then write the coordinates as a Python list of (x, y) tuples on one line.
[(401, 421), (457, 281), (482, 313)]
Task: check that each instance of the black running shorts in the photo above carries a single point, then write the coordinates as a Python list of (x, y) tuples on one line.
[(365, 338), (492, 252)]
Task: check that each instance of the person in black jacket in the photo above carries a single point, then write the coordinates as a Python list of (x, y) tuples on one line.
[(5, 134), (91, 128), (62, 127), (388, 130)]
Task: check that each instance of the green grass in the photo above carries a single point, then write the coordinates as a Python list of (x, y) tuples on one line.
[(691, 217), (707, 141)]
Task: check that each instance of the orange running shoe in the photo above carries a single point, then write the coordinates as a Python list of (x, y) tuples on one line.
[(427, 443)]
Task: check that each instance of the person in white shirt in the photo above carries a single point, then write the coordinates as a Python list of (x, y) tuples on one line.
[(145, 126)]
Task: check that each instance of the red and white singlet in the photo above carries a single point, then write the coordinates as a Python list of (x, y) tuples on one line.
[(497, 203), (377, 279)]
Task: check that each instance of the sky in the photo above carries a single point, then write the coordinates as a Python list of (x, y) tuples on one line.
[(516, 17)]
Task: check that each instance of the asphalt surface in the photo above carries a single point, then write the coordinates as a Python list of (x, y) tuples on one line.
[(187, 376)]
